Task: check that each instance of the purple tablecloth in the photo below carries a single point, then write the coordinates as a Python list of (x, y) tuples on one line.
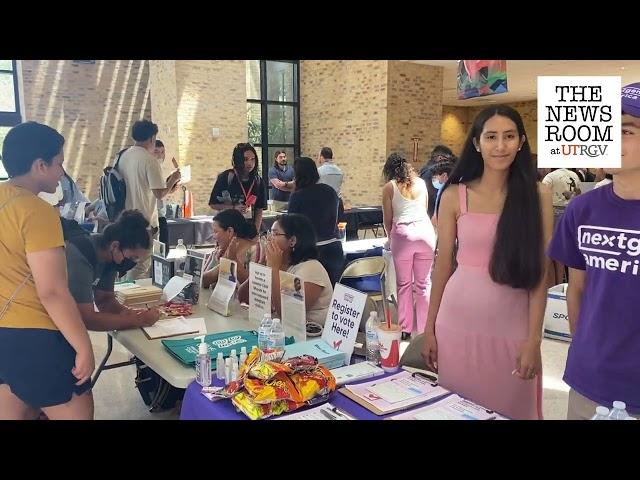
[(196, 406)]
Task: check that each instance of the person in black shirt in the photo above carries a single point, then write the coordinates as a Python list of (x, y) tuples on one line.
[(319, 203), (241, 187), (440, 153)]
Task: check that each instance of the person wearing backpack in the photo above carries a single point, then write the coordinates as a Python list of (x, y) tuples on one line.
[(145, 183), (94, 262), (46, 357)]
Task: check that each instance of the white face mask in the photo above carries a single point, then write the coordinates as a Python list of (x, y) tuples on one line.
[(52, 198)]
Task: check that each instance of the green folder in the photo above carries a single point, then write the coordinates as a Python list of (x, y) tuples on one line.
[(186, 349)]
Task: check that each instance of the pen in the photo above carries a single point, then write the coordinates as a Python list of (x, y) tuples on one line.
[(339, 413), (327, 414)]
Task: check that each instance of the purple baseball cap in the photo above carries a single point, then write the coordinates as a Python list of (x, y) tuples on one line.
[(631, 99)]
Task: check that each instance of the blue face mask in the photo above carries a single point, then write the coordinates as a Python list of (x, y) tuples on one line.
[(437, 184)]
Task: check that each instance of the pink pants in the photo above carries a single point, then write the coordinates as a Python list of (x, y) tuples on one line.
[(412, 258)]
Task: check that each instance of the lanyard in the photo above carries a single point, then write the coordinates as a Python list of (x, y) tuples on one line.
[(242, 186)]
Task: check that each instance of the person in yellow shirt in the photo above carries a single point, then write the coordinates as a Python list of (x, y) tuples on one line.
[(46, 358)]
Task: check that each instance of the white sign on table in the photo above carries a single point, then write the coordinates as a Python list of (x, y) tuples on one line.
[(259, 291), (292, 306), (225, 287), (343, 319)]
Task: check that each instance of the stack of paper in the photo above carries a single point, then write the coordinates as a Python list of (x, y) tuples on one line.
[(171, 327), (326, 355), (452, 407), (357, 371), (139, 295)]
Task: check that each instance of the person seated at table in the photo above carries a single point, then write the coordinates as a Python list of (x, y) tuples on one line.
[(236, 241), (291, 247), (319, 203), (94, 261)]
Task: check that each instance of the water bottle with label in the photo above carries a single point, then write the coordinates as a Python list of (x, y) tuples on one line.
[(276, 337), (373, 345), (264, 331)]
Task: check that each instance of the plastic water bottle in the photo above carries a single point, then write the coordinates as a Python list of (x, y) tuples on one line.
[(618, 412), (276, 336), (181, 257), (264, 331), (203, 365), (243, 355), (373, 345), (220, 367), (602, 413)]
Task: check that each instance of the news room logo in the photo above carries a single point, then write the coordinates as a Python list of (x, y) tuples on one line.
[(579, 122)]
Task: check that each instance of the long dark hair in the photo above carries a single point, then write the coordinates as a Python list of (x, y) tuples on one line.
[(397, 168), (518, 251), (241, 226), (237, 159), (306, 172), (299, 226)]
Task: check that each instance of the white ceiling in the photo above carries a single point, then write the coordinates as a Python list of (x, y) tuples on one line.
[(522, 77)]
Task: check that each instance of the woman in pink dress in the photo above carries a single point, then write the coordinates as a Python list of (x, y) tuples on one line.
[(484, 326)]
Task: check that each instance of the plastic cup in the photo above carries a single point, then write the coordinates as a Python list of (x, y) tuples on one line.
[(389, 340)]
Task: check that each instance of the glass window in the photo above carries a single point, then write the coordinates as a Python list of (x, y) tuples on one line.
[(254, 123), (280, 123), (3, 133), (280, 80), (253, 79), (6, 65), (7, 93)]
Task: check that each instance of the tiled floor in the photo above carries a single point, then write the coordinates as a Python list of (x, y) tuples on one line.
[(115, 396)]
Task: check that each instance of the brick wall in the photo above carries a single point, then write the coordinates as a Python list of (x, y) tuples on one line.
[(455, 127), (344, 106), (189, 99), (414, 109), (92, 105)]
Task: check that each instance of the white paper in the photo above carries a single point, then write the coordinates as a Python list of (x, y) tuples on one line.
[(292, 306), (225, 287), (185, 174), (173, 287), (119, 287), (396, 391), (355, 372), (326, 411), (452, 407), (170, 327), (343, 319), (157, 273), (259, 291)]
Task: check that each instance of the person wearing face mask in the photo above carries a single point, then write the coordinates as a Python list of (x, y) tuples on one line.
[(94, 262), (440, 174), (235, 237), (241, 188)]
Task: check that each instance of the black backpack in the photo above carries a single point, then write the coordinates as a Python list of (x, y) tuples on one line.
[(113, 189)]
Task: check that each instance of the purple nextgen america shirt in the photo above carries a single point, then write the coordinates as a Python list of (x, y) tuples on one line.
[(600, 233)]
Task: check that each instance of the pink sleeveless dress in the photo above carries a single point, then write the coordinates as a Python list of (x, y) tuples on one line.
[(481, 325)]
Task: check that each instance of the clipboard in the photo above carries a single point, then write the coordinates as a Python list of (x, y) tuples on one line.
[(436, 392)]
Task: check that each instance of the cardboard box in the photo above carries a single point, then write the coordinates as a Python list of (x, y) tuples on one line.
[(556, 320)]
